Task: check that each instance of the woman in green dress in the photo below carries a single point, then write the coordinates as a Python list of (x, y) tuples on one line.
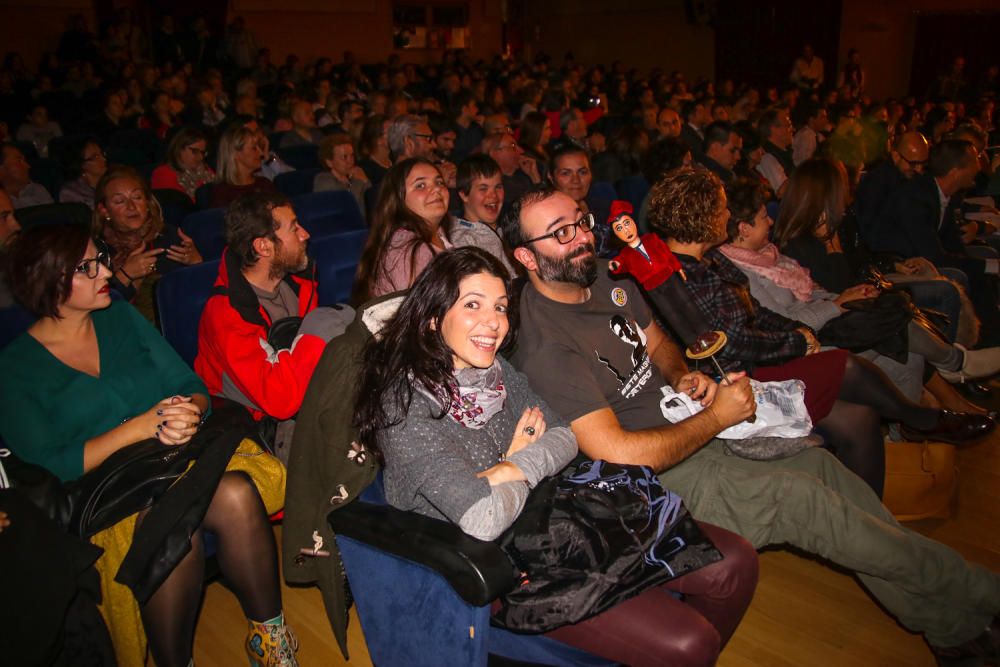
[(90, 377)]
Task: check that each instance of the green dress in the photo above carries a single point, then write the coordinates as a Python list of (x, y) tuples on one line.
[(49, 410)]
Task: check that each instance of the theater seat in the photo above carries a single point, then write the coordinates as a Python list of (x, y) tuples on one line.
[(52, 214), (203, 196), (300, 157), (324, 213), (633, 189), (603, 190), (48, 173), (298, 182), (423, 590), (175, 204), (207, 230), (134, 147), (337, 258), (14, 320), (181, 295)]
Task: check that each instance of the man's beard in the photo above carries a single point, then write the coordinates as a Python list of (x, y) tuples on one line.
[(283, 265), (565, 270)]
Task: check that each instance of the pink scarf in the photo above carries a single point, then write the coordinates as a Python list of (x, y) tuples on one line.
[(771, 264)]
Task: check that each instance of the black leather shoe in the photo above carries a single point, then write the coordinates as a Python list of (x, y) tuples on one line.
[(983, 650), (957, 428), (975, 391)]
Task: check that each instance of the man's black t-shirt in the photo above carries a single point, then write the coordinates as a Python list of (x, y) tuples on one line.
[(588, 356)]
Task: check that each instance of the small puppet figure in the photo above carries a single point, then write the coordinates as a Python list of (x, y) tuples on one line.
[(650, 261), (646, 258)]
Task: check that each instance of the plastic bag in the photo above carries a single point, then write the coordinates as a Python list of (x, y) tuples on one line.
[(781, 411)]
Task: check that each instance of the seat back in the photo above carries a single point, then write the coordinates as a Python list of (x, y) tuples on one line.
[(633, 189), (300, 157), (203, 196), (207, 230), (14, 320), (298, 182), (134, 147), (181, 295), (48, 173), (337, 257), (603, 190), (410, 613), (325, 213), (53, 214), (175, 204)]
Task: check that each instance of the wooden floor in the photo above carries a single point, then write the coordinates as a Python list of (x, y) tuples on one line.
[(804, 613)]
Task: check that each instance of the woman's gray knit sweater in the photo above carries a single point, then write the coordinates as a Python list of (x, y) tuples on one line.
[(431, 464)]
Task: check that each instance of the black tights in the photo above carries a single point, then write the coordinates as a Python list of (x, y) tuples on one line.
[(866, 384), (247, 557), (852, 428), (854, 434)]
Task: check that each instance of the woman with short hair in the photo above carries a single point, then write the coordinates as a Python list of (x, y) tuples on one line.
[(87, 164), (336, 153), (185, 169), (90, 378)]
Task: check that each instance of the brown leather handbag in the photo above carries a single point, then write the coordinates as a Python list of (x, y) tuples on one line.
[(920, 480)]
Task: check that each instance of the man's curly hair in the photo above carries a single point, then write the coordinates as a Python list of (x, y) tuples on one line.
[(683, 205)]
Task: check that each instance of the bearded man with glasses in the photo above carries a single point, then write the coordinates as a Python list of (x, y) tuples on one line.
[(577, 346)]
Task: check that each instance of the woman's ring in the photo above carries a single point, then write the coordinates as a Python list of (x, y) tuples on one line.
[(530, 430)]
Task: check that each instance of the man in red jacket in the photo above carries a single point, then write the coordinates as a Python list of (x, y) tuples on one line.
[(264, 277)]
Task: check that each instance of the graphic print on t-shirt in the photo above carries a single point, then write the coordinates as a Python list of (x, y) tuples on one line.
[(630, 380)]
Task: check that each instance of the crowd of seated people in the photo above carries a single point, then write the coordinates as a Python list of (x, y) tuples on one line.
[(521, 160)]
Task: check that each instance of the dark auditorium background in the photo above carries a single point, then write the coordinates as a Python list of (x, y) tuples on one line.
[(903, 42)]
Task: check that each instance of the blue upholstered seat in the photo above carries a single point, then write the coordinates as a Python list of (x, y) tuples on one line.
[(337, 258), (411, 614), (298, 182), (181, 295), (324, 213), (207, 230), (633, 189), (299, 157), (603, 190), (54, 214)]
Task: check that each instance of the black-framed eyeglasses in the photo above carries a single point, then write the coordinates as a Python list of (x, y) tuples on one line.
[(428, 137), (91, 266), (567, 233)]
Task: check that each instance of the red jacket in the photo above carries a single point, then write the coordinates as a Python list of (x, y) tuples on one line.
[(649, 272), (232, 342)]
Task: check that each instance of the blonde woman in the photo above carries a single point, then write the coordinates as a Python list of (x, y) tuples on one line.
[(240, 157), (130, 221)]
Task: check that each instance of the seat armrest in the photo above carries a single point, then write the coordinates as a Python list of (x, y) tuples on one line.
[(478, 571)]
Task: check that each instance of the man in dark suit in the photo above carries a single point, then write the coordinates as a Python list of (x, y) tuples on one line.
[(907, 158), (920, 221), (696, 117)]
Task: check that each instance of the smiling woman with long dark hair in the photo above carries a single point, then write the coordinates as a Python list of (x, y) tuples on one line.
[(410, 224), (463, 438)]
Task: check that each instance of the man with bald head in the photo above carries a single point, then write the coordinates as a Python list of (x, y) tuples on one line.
[(921, 220), (668, 122), (907, 158)]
